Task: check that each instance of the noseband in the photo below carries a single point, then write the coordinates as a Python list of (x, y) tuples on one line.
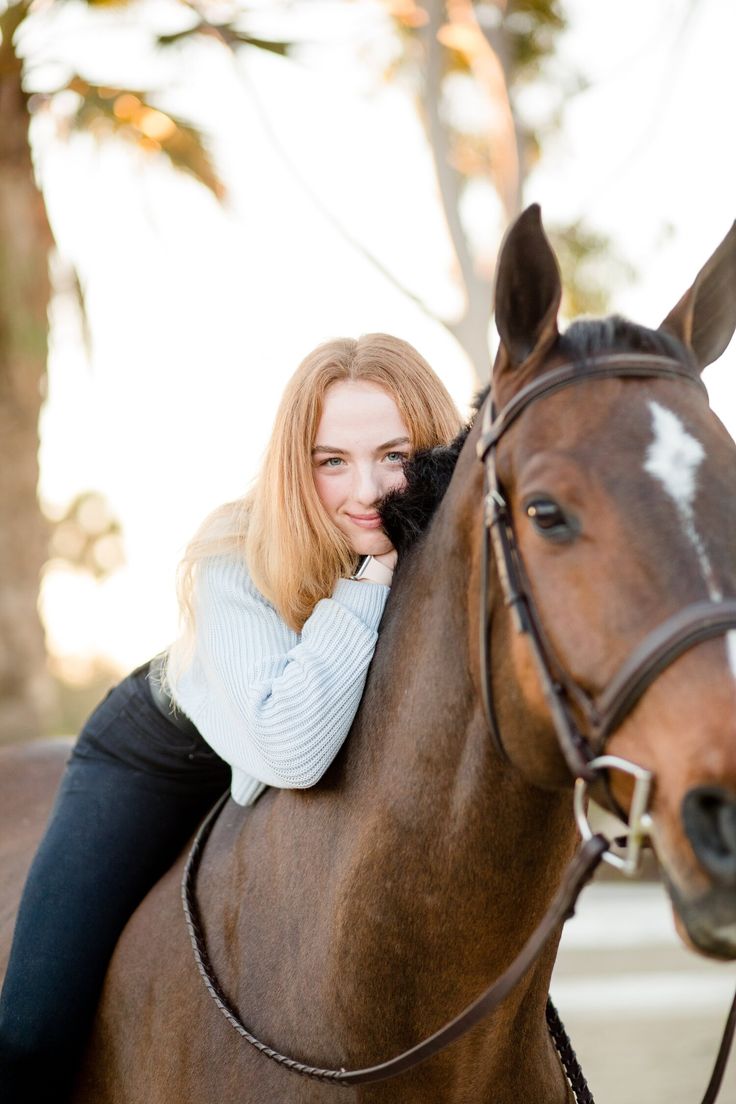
[(660, 648)]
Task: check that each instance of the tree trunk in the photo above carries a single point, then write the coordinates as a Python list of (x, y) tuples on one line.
[(25, 240)]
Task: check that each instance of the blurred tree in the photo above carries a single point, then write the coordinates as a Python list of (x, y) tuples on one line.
[(87, 536), (76, 103), (489, 95), (470, 66)]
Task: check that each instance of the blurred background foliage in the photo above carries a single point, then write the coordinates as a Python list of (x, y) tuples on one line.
[(86, 536), (469, 69)]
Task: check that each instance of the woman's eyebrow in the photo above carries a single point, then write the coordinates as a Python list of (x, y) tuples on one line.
[(379, 448), (393, 443)]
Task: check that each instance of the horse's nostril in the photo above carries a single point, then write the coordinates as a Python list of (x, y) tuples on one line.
[(709, 817)]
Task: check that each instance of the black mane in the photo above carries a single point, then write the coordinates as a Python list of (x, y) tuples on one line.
[(407, 513), (589, 337)]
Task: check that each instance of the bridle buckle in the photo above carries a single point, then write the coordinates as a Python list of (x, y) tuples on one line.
[(640, 820), (495, 507)]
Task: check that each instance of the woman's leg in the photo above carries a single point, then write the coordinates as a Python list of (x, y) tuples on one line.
[(113, 832)]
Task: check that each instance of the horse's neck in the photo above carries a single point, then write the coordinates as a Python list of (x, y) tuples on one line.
[(453, 857), (423, 862)]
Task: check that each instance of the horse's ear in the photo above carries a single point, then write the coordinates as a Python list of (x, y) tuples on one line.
[(705, 318), (528, 289)]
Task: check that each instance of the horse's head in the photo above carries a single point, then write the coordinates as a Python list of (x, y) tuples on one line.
[(618, 491)]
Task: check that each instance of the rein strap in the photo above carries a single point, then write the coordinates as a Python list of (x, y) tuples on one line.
[(578, 873)]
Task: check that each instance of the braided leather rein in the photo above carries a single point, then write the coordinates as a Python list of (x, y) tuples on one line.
[(577, 875)]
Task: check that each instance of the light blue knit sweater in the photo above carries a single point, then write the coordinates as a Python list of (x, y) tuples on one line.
[(275, 704)]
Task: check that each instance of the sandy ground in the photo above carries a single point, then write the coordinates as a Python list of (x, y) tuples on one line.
[(645, 1015)]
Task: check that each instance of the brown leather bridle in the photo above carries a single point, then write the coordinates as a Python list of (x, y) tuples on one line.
[(603, 714), (661, 647)]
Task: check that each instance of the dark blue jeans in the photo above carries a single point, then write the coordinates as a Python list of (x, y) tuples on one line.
[(132, 793)]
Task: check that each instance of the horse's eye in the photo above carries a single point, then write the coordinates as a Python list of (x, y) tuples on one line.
[(549, 519)]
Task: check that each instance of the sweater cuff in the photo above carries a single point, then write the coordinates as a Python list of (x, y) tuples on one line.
[(365, 600)]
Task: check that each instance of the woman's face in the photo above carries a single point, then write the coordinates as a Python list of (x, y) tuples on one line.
[(357, 458)]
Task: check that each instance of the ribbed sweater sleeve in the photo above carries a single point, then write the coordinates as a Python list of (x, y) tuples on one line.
[(274, 704)]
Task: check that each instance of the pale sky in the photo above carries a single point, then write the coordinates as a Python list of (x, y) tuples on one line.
[(199, 314)]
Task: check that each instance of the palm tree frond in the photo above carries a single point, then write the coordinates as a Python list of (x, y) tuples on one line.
[(107, 3), (226, 33), (280, 48), (124, 113)]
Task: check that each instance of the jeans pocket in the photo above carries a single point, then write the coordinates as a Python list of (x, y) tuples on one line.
[(146, 722), (92, 736)]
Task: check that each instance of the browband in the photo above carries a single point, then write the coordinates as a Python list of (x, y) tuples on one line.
[(614, 366)]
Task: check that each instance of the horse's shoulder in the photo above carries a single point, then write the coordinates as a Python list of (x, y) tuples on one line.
[(29, 774), (53, 751)]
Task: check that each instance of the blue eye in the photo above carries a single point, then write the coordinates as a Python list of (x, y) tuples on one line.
[(331, 462), (396, 457)]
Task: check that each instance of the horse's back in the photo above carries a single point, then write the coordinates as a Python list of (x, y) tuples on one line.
[(29, 776)]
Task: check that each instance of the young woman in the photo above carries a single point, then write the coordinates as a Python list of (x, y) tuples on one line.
[(282, 593)]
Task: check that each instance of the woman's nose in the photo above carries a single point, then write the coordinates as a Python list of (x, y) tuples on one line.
[(366, 487)]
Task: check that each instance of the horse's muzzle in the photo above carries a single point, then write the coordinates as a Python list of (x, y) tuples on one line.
[(709, 921), (709, 820)]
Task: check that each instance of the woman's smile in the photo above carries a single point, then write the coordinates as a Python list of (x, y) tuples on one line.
[(366, 521)]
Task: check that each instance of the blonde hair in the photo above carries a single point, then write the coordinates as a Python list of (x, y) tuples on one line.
[(294, 552)]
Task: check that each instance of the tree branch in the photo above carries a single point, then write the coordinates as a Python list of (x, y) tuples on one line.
[(491, 66), (448, 179)]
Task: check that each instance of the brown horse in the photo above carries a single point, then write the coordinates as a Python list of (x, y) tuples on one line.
[(348, 921)]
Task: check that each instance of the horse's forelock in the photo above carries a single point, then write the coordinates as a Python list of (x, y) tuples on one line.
[(589, 337)]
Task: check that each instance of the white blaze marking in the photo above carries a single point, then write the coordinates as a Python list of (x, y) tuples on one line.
[(674, 458)]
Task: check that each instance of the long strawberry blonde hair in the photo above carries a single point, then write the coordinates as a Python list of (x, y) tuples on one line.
[(295, 554)]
